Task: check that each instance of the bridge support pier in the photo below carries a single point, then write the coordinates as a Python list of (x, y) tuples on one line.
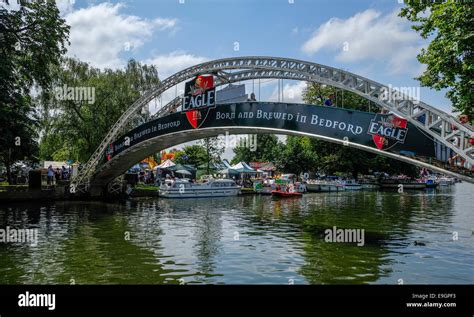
[(97, 191)]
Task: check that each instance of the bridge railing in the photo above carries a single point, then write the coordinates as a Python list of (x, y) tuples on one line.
[(445, 128)]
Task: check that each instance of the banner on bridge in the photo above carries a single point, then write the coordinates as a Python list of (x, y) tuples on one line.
[(385, 132)]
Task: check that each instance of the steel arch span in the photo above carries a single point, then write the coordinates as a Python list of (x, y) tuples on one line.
[(435, 123), (343, 126)]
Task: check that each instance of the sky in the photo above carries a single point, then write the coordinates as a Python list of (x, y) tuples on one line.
[(365, 37)]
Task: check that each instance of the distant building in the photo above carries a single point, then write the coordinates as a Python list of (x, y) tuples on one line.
[(228, 94), (231, 93)]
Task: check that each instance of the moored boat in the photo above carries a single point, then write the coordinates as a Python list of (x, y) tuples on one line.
[(431, 183), (287, 190), (350, 184), (321, 186), (445, 181), (267, 190), (211, 188), (394, 183), (369, 185)]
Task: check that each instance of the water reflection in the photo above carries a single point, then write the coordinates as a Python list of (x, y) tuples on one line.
[(248, 239)]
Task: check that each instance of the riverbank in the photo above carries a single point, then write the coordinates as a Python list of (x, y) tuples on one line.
[(19, 193), (11, 193)]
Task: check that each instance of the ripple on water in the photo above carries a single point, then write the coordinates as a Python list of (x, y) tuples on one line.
[(277, 241)]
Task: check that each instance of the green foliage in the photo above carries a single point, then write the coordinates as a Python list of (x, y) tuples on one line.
[(32, 40), (317, 94), (191, 154), (268, 149), (304, 154), (72, 128), (449, 56), (298, 155), (213, 151), (147, 187)]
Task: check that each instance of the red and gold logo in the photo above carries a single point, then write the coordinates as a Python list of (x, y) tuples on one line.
[(199, 98), (388, 130)]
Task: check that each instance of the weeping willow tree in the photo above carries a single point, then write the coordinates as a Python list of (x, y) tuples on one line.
[(85, 102)]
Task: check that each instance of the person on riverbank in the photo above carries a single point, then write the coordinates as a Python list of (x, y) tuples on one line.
[(50, 175), (64, 173), (57, 175), (151, 177)]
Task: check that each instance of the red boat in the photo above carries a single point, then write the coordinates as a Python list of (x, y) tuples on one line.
[(280, 193)]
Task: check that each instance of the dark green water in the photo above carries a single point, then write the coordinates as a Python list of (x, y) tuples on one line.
[(246, 240)]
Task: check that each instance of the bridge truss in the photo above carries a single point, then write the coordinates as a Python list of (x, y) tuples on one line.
[(439, 125)]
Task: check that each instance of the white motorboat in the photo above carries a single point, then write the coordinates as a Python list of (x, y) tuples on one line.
[(350, 184), (321, 186), (445, 181), (210, 188), (369, 185)]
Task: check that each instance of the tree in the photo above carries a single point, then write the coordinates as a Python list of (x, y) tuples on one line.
[(317, 94), (449, 56), (335, 158), (332, 158), (192, 154), (32, 40), (73, 124), (268, 149), (298, 155), (213, 151)]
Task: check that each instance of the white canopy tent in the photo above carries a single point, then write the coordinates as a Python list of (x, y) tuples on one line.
[(242, 167), (55, 164), (166, 164)]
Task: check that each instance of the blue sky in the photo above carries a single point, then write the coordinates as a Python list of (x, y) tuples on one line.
[(174, 35), (365, 37)]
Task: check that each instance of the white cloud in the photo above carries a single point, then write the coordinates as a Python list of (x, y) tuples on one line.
[(164, 24), (12, 5), (65, 6), (292, 93), (100, 33), (168, 64), (371, 36)]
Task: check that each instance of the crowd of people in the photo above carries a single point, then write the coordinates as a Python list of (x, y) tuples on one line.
[(146, 177), (19, 175), (56, 175)]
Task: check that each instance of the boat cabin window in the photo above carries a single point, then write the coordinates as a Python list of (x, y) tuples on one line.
[(180, 185), (221, 184)]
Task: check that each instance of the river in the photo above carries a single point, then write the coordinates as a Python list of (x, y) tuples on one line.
[(417, 237)]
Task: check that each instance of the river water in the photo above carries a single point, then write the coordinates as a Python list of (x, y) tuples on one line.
[(246, 240)]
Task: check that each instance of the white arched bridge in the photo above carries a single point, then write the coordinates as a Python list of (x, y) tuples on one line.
[(409, 130)]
